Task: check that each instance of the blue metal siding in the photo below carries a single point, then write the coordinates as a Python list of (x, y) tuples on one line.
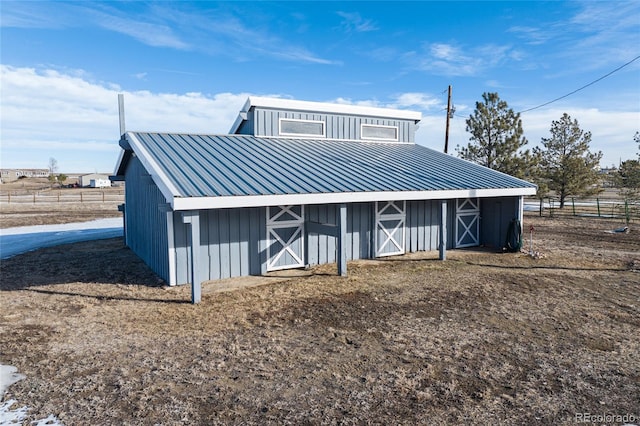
[(337, 126), (322, 248), (423, 225), (360, 222), (232, 243), (146, 224), (182, 241), (496, 213)]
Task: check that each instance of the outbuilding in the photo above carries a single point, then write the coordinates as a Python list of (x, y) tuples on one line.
[(94, 180), (299, 183)]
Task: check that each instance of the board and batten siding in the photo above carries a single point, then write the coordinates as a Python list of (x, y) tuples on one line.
[(265, 122), (496, 214), (146, 223), (233, 242), (423, 226)]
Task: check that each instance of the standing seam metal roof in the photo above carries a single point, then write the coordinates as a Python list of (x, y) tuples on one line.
[(240, 165)]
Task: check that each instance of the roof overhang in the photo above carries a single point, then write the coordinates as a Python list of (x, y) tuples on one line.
[(203, 203)]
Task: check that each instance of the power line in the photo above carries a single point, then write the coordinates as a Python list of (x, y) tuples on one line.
[(583, 87)]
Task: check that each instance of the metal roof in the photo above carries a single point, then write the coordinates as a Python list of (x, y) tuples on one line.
[(213, 171)]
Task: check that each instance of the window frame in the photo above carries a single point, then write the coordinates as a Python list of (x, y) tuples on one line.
[(306, 135), (396, 128)]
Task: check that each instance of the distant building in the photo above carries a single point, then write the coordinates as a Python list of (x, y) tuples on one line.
[(100, 183), (85, 180), (11, 175)]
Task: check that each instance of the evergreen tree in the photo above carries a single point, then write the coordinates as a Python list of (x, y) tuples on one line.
[(565, 161), (627, 179), (496, 138)]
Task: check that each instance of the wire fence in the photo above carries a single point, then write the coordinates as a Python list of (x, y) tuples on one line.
[(610, 208), (61, 196)]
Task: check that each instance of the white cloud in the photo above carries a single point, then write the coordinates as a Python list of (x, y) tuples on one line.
[(611, 131), (48, 113), (421, 101), (452, 60)]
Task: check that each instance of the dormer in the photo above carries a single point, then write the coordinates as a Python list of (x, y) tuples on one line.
[(286, 118)]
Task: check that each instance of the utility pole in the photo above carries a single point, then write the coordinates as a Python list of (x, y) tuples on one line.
[(446, 135)]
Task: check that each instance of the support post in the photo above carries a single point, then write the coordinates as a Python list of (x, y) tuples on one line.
[(443, 230), (342, 240), (193, 219)]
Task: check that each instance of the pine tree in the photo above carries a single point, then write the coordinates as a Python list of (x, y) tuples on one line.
[(566, 163), (496, 137), (627, 179)]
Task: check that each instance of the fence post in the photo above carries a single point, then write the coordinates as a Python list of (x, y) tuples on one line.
[(541, 206), (34, 197), (103, 196), (626, 211), (81, 197), (598, 203), (573, 205), (58, 196), (9, 202)]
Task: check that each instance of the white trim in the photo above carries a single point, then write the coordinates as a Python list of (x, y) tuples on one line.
[(171, 245), (363, 125), (118, 163), (401, 217), (323, 107), (159, 177), (197, 203), (521, 210), (306, 135), (474, 213), (273, 224)]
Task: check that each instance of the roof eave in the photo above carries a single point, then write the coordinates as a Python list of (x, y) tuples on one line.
[(204, 203)]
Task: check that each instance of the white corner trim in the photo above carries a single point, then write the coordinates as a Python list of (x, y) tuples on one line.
[(171, 246), (119, 162)]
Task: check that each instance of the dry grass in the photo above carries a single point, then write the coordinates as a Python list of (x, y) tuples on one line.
[(482, 338), (55, 206)]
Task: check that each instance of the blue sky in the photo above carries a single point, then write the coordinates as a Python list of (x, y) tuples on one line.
[(189, 66)]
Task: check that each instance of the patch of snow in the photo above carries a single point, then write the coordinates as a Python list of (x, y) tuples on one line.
[(14, 241), (8, 376), (11, 417)]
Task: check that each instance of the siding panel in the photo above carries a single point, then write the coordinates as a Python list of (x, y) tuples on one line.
[(337, 126), (146, 223)]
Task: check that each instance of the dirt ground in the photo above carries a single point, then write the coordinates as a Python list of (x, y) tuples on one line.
[(482, 338)]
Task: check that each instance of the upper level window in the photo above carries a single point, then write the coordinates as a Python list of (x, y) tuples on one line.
[(378, 132), (295, 127)]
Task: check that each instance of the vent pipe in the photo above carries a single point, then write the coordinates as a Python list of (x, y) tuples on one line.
[(121, 113)]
